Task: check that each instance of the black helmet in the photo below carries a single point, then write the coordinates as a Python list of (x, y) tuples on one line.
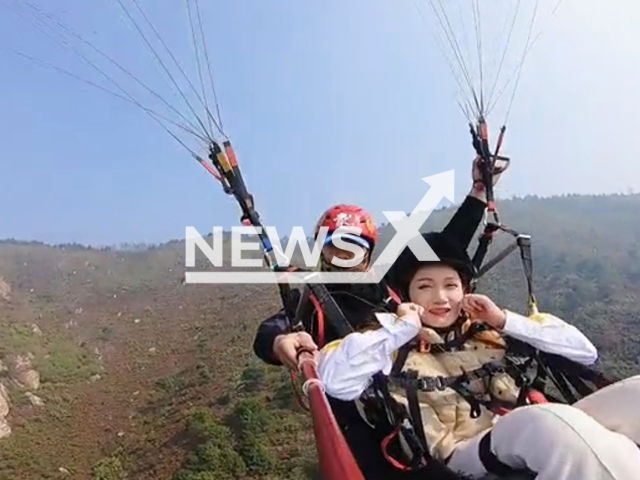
[(448, 251)]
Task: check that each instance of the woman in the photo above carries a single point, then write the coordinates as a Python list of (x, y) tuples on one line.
[(276, 344), (593, 439)]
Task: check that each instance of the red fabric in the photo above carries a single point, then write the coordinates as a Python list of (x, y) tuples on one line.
[(335, 458)]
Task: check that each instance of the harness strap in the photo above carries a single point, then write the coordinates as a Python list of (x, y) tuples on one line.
[(472, 399), (433, 383), (495, 260), (558, 380), (380, 385), (524, 242), (409, 380), (414, 410), (303, 304), (292, 301), (572, 380), (579, 370), (449, 346), (327, 307), (489, 460), (483, 245), (400, 360), (566, 374), (461, 338), (330, 310), (402, 424)]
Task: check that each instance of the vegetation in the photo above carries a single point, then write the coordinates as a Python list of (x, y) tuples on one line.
[(144, 377), (109, 468), (66, 363), (214, 455)]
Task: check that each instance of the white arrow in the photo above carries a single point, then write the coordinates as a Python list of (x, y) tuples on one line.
[(407, 233), (408, 228)]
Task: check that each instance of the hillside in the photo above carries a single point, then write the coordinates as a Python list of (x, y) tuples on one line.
[(140, 376)]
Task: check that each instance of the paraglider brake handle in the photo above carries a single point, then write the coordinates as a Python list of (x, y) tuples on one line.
[(498, 170), (302, 351)]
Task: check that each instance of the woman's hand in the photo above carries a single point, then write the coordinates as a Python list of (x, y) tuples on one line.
[(478, 188), (481, 308), (410, 312)]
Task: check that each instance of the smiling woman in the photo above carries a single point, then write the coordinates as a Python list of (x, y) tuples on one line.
[(444, 381)]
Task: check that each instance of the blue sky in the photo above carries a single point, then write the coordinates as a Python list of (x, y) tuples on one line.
[(325, 102)]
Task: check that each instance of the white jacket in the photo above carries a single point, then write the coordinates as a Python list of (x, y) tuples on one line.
[(346, 366)]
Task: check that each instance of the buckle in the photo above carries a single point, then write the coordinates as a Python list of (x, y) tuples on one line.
[(430, 384)]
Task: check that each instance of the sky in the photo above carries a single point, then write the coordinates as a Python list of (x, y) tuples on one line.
[(325, 102)]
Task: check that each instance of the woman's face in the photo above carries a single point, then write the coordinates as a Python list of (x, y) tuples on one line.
[(438, 289)]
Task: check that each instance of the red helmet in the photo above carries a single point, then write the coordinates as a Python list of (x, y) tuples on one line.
[(349, 216)]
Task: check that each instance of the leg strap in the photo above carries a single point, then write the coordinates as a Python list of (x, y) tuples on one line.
[(489, 460)]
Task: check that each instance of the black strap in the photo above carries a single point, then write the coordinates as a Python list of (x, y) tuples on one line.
[(400, 360), (574, 369), (411, 382), (572, 380), (483, 245), (559, 381), (438, 383), (449, 346), (302, 309), (567, 374), (472, 399), (490, 461), (414, 410), (390, 407), (331, 309), (300, 315), (524, 242), (495, 260), (400, 418), (461, 338)]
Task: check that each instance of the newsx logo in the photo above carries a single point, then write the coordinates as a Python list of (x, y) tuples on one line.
[(407, 234)]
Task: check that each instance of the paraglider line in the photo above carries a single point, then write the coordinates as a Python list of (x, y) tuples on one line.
[(456, 49), (137, 27), (527, 50), (100, 87), (64, 43), (137, 4), (467, 106), (478, 27), (208, 63), (195, 49), (504, 53), (515, 88)]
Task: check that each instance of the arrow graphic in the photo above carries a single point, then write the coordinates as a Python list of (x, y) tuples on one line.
[(408, 228), (407, 233)]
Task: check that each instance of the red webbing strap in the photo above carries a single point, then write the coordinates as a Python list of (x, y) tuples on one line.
[(334, 456)]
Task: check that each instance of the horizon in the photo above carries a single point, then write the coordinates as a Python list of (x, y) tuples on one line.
[(133, 245)]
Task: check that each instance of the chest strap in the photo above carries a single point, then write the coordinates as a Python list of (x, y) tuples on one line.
[(412, 382)]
